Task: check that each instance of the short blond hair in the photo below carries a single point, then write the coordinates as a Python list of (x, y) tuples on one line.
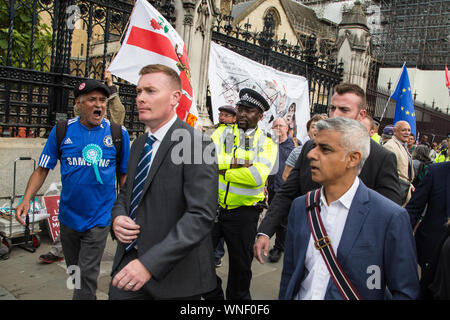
[(172, 74)]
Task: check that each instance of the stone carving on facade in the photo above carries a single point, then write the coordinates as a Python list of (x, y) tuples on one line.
[(203, 17), (198, 16), (356, 56)]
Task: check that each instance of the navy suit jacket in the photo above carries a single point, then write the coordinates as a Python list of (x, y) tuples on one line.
[(377, 233), (434, 190)]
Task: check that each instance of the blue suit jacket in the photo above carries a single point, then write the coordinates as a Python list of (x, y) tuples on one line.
[(377, 233), (434, 190)]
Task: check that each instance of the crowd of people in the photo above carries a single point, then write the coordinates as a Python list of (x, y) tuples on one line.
[(355, 214)]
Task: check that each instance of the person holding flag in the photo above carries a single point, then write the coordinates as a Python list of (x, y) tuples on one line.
[(404, 125), (398, 145), (404, 107)]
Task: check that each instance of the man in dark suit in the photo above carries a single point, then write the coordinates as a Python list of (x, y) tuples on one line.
[(379, 172), (433, 193), (370, 235), (163, 221)]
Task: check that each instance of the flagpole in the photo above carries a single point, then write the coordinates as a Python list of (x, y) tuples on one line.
[(382, 115)]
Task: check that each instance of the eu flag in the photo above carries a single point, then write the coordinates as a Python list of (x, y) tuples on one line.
[(404, 107)]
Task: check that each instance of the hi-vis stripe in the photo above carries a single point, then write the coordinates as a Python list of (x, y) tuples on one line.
[(256, 175), (319, 233), (241, 191), (44, 161)]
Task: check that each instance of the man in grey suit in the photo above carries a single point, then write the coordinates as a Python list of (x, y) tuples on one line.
[(163, 221)]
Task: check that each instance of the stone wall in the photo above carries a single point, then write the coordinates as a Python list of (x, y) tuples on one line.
[(12, 149)]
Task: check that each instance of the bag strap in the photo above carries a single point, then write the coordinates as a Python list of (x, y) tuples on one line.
[(323, 244), (61, 128)]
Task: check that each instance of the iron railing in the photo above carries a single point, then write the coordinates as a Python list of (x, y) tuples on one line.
[(52, 46)]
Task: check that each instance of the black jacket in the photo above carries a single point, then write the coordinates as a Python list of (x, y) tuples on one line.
[(435, 281)]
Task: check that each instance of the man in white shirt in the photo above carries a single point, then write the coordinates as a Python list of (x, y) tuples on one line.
[(369, 234)]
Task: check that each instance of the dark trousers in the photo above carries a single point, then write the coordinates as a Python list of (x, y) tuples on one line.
[(83, 251), (280, 230), (219, 252), (238, 227), (142, 294)]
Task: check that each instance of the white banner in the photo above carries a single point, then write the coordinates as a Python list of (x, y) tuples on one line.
[(286, 93)]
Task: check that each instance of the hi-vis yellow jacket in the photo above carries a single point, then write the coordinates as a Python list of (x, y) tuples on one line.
[(256, 152), (376, 137), (441, 157)]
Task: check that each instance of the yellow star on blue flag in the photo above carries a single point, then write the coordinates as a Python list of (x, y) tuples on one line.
[(404, 107)]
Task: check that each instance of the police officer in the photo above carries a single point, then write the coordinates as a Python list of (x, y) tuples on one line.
[(246, 157), (443, 154), (227, 116), (376, 125)]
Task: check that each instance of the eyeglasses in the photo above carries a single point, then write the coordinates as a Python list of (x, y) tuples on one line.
[(226, 115), (279, 126)]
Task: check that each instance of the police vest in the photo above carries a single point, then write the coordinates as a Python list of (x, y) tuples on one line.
[(441, 157), (243, 186), (376, 137)]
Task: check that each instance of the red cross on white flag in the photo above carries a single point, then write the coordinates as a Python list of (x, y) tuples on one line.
[(447, 77), (150, 39)]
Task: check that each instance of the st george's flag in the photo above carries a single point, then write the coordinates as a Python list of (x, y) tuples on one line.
[(150, 39), (447, 79), (404, 107)]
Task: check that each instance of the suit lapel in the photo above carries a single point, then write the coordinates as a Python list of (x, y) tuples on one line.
[(355, 220), (164, 147), (138, 146)]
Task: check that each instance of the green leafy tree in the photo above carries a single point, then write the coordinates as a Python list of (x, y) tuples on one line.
[(24, 53)]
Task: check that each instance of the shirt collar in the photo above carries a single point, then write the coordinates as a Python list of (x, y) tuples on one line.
[(405, 144), (249, 132), (346, 199), (161, 132), (102, 125)]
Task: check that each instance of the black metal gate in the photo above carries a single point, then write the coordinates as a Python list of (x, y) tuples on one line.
[(321, 71), (47, 47)]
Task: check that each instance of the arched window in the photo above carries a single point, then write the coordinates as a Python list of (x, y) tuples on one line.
[(273, 14)]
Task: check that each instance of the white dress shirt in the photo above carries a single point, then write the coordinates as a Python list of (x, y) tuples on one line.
[(159, 135), (334, 216)]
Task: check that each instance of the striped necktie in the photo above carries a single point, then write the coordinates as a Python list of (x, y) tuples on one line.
[(142, 170)]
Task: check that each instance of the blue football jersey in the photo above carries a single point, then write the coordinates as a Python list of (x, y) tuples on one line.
[(85, 202)]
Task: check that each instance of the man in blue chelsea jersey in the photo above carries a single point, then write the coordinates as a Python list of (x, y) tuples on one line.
[(88, 168)]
